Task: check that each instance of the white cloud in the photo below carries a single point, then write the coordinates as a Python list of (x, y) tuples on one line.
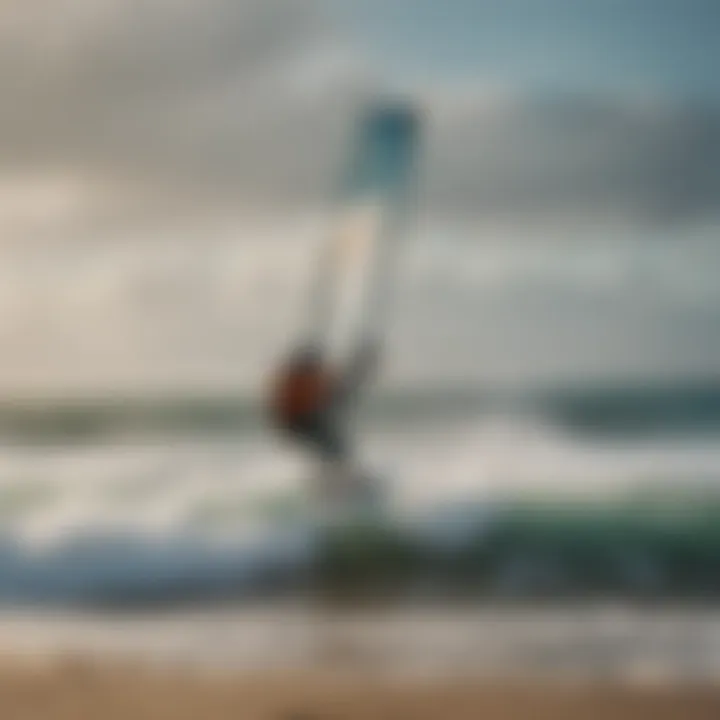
[(518, 156), (247, 101), (206, 99)]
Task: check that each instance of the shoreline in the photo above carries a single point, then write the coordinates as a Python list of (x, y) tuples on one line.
[(601, 642)]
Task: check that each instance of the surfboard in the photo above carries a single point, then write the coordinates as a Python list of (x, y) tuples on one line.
[(357, 270)]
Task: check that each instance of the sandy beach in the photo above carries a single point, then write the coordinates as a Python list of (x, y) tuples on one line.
[(247, 664), (75, 690)]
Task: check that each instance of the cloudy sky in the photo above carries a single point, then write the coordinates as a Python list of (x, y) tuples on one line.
[(594, 45), (167, 164)]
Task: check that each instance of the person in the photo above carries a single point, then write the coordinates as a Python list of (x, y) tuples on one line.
[(311, 404), (311, 400)]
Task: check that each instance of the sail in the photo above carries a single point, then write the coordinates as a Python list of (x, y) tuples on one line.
[(357, 272)]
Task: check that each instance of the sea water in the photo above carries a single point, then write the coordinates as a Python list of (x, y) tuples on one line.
[(160, 515)]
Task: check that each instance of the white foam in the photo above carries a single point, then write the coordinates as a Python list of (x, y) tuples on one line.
[(168, 499)]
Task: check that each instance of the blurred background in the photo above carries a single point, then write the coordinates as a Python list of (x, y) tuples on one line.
[(548, 415)]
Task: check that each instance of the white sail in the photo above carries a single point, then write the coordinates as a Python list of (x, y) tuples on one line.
[(359, 262)]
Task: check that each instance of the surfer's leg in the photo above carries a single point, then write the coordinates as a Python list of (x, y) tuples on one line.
[(342, 484), (335, 484)]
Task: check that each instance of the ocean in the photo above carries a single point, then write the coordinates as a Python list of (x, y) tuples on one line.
[(162, 501)]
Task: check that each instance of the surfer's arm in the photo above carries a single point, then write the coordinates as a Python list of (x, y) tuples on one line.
[(360, 368)]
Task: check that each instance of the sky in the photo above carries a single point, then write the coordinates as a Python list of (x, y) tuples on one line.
[(560, 45), (167, 166)]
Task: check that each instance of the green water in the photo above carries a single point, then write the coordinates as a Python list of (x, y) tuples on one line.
[(664, 548)]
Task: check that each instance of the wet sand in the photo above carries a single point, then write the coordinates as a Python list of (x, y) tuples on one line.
[(75, 690), (583, 642), (584, 664)]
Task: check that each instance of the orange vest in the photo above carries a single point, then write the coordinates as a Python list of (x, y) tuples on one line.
[(300, 393)]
